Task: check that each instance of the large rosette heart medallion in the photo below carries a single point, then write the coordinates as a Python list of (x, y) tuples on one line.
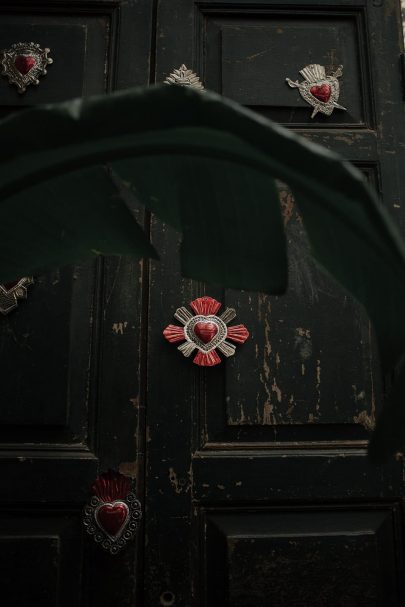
[(206, 332), (113, 514)]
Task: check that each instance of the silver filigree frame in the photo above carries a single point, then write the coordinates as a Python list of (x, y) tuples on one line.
[(14, 76), (9, 297), (113, 544), (192, 340), (218, 338)]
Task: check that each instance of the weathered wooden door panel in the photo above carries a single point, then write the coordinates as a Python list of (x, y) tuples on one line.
[(44, 343), (70, 354), (169, 428), (257, 474), (256, 482), (346, 554), (246, 465), (258, 51), (41, 557), (75, 41), (289, 394)]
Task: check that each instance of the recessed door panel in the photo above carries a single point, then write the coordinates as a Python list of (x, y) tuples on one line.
[(45, 346), (248, 58), (335, 557), (35, 550)]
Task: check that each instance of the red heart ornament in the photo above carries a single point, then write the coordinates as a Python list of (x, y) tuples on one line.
[(112, 517), (24, 63), (322, 92), (206, 331)]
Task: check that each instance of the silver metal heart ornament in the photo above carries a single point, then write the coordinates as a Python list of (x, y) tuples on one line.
[(319, 90)]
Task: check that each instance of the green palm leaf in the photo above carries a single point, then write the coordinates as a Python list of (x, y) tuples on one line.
[(207, 166)]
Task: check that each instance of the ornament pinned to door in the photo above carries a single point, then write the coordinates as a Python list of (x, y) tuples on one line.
[(206, 331), (113, 513), (184, 77), (319, 90), (11, 292), (23, 63)]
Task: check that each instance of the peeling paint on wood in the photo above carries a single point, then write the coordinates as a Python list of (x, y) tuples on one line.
[(365, 420), (119, 327), (128, 468), (180, 484)]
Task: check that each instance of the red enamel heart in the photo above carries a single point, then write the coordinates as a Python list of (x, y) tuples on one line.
[(322, 92), (206, 331), (112, 517), (24, 63)]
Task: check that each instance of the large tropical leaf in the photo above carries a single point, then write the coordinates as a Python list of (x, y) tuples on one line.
[(207, 166), (389, 435), (229, 218), (68, 218)]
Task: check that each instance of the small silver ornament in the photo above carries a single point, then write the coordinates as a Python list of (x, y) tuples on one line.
[(319, 90), (184, 77), (23, 63)]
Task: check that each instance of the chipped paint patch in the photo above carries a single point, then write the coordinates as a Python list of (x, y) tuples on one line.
[(268, 401), (277, 390), (304, 332), (128, 469), (303, 342), (291, 405), (268, 414), (358, 396), (181, 484), (365, 420), (119, 327), (260, 54), (174, 481), (318, 373), (287, 205), (242, 419)]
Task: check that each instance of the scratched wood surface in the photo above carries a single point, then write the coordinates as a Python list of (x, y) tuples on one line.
[(310, 350)]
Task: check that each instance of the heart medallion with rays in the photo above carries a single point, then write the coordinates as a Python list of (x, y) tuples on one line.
[(206, 332)]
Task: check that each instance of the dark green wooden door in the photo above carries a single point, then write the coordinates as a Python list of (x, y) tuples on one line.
[(259, 490), (70, 354), (253, 475)]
